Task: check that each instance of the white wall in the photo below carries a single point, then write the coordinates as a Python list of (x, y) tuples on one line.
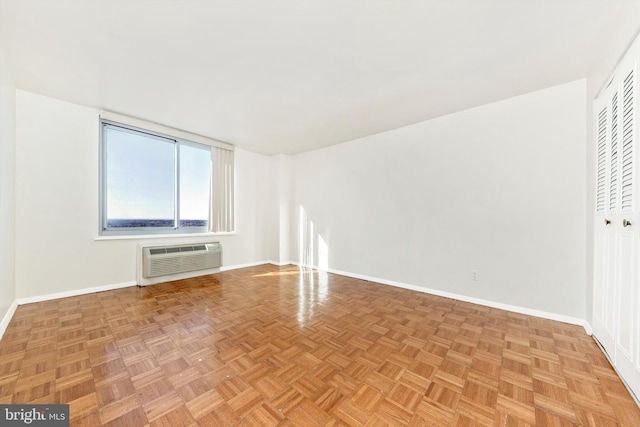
[(278, 231), (7, 188), (498, 188), (57, 204), (614, 43)]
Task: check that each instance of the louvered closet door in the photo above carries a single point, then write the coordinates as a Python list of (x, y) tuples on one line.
[(605, 242), (626, 353), (616, 315)]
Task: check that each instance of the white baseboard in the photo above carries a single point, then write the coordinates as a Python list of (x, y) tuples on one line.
[(587, 328), (254, 264), (280, 264), (7, 317), (74, 293), (237, 266), (487, 303)]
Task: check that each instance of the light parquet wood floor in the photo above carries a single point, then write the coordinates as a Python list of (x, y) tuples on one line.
[(270, 346)]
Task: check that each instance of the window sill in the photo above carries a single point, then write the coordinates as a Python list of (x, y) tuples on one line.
[(163, 236)]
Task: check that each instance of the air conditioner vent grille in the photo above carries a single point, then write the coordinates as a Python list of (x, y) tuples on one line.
[(167, 260)]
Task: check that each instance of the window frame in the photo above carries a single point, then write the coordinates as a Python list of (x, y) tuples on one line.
[(104, 230)]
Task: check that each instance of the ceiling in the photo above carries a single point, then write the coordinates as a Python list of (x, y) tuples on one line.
[(287, 76)]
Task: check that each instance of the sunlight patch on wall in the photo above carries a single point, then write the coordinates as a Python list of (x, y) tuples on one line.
[(323, 254), (307, 249), (305, 239)]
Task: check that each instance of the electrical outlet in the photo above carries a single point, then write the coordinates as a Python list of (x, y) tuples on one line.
[(475, 275)]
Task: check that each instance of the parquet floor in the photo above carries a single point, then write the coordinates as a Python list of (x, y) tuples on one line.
[(266, 346)]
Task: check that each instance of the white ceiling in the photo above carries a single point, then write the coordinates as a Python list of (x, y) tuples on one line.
[(290, 76)]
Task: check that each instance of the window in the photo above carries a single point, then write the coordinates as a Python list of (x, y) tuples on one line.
[(156, 183)]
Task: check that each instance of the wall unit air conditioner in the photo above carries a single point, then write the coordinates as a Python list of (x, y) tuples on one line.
[(172, 262)]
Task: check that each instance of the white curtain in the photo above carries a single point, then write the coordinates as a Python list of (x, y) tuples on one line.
[(221, 201)]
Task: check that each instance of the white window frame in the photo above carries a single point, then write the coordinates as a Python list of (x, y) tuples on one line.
[(158, 131)]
